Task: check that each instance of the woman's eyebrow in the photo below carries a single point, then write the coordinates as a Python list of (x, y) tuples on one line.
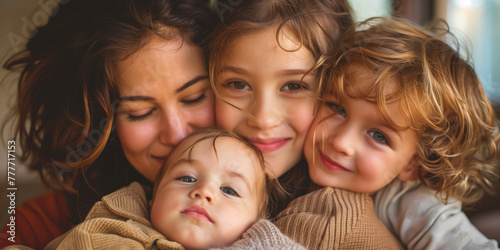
[(135, 98), (191, 82)]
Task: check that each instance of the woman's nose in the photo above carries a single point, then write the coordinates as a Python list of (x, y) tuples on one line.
[(173, 128)]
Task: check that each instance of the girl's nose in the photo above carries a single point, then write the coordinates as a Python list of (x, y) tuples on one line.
[(265, 113)]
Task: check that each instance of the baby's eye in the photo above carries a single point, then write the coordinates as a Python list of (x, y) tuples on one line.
[(378, 137), (186, 179), (294, 86), (240, 85), (336, 108), (229, 191)]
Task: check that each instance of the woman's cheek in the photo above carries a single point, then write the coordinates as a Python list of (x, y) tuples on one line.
[(205, 116), (136, 137)]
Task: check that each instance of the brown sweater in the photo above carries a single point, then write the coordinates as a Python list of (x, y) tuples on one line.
[(332, 218), (121, 220)]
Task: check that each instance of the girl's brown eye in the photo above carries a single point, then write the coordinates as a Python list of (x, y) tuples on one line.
[(240, 85), (292, 87)]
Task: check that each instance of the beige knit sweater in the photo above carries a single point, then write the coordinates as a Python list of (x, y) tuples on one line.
[(121, 221), (332, 218)]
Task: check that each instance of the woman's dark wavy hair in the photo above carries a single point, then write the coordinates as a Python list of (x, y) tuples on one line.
[(67, 91)]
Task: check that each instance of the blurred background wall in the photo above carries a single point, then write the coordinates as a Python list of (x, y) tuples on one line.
[(471, 20)]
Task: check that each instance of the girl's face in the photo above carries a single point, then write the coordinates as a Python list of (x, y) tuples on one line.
[(164, 96), (271, 89), (355, 148)]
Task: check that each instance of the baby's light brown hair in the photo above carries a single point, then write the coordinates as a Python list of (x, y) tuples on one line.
[(264, 184), (440, 95)]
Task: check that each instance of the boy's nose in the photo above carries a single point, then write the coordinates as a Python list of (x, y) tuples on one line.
[(343, 139)]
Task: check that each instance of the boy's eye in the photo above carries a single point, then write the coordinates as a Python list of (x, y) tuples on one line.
[(292, 87), (378, 137), (229, 191), (240, 85), (336, 108), (188, 179)]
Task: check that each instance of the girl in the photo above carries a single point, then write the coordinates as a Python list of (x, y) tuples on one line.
[(401, 105), (107, 89), (263, 69)]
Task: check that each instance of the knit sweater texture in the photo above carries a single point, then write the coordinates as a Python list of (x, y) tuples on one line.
[(331, 218), (121, 221)]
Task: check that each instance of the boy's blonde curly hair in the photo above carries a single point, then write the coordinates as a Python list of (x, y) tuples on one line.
[(440, 95)]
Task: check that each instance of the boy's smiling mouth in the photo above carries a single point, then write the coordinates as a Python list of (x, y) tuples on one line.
[(331, 164)]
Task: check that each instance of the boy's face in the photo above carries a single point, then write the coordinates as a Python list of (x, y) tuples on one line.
[(355, 148), (212, 199), (274, 93)]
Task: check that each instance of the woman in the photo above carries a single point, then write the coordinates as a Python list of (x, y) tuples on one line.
[(107, 89)]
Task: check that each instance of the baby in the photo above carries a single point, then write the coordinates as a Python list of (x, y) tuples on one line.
[(210, 191)]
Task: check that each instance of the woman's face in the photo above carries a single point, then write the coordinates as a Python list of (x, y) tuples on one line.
[(164, 96), (270, 94)]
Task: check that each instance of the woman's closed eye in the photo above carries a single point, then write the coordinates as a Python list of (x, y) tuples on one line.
[(132, 116), (194, 99), (336, 108), (229, 191), (237, 85)]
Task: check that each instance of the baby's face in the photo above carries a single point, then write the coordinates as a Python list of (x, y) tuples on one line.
[(210, 198)]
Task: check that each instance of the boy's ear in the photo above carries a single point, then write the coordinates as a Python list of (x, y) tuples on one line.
[(411, 171)]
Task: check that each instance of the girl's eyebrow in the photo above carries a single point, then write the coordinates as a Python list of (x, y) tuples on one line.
[(298, 72), (233, 69), (281, 72)]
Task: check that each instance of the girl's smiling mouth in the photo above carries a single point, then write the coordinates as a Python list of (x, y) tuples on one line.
[(269, 145)]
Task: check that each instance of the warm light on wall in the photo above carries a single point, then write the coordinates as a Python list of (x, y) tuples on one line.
[(469, 3)]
